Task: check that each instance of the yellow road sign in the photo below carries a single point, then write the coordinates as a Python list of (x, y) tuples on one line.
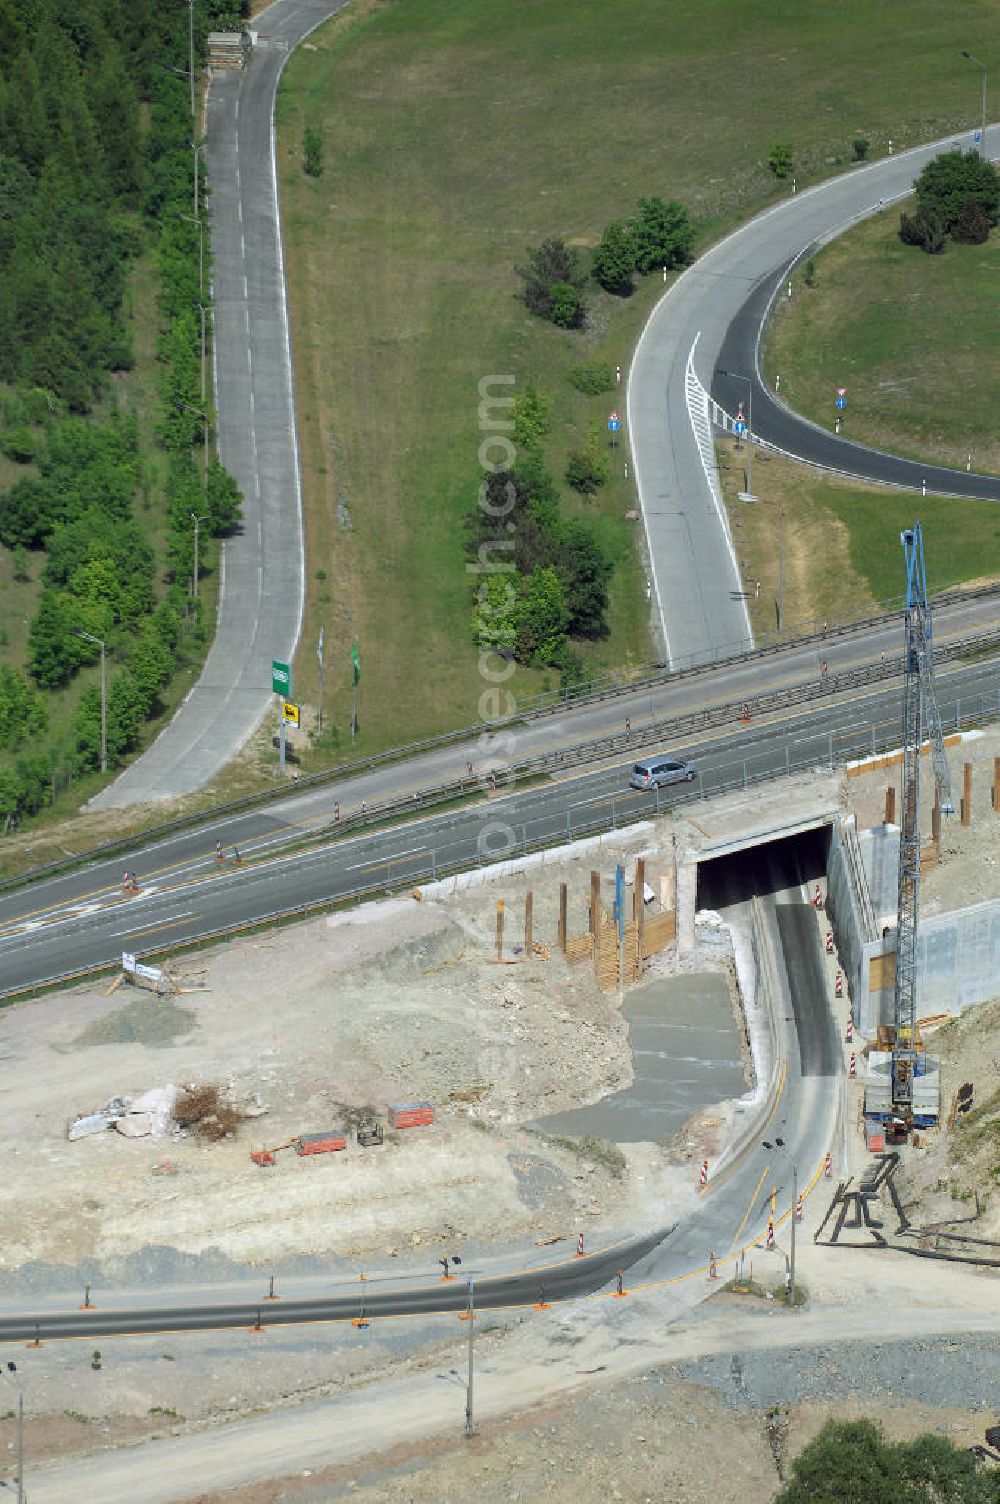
[(290, 713)]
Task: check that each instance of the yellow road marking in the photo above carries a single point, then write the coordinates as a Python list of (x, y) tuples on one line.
[(765, 1172)]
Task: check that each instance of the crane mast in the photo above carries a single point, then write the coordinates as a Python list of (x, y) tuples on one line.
[(921, 720)]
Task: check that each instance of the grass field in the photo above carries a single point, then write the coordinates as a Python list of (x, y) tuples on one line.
[(456, 135), (914, 338), (842, 555)]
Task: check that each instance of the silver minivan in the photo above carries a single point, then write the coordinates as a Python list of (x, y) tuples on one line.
[(655, 772)]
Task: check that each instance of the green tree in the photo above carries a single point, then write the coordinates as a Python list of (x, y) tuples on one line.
[(663, 233), (953, 177), (852, 1460), (495, 620), (860, 146), (22, 709), (225, 500), (55, 654), (780, 158), (566, 305), (542, 617), (27, 511), (312, 152), (585, 570), (554, 282), (615, 259)]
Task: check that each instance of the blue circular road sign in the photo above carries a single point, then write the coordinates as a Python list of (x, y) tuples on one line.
[(739, 428), (841, 402)]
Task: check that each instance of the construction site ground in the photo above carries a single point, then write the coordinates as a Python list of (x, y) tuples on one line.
[(308, 1027)]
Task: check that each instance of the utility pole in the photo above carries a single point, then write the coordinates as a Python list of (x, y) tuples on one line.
[(470, 1428), (982, 139), (9, 1376), (201, 311), (319, 655), (779, 1145)]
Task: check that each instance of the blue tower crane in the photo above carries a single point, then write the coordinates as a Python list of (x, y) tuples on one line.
[(921, 721)]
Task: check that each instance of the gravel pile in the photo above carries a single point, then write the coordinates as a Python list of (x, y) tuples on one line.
[(964, 1374)]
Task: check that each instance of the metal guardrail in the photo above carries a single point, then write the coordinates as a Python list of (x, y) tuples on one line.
[(589, 751), (841, 747)]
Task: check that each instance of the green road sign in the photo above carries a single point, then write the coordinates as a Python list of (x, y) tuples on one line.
[(281, 678)]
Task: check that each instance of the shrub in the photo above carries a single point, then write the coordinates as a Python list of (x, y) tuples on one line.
[(860, 146), (19, 444), (207, 1111), (925, 229), (780, 159), (593, 378), (531, 417), (809, 273), (951, 179), (312, 152), (587, 469), (566, 306), (972, 227)]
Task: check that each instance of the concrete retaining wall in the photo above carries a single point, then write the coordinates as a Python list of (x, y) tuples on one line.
[(846, 910), (958, 965)]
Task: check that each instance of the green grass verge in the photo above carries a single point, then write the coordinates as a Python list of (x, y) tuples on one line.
[(457, 135), (842, 555), (914, 338)]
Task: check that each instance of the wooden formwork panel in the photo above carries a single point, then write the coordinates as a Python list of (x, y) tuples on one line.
[(657, 932), (579, 947), (882, 972)]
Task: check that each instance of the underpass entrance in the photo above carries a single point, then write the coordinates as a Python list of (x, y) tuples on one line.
[(772, 844)]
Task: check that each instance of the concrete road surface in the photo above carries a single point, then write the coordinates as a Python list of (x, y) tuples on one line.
[(260, 607), (694, 572)]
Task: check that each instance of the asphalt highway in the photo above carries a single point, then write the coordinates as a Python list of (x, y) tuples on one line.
[(693, 566), (556, 731), (561, 1279), (776, 425), (83, 920), (262, 570)]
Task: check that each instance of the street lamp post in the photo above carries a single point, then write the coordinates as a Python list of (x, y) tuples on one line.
[(196, 147), (194, 571), (748, 473), (469, 1424), (201, 313), (79, 632), (779, 1145), (982, 138), (192, 220), (9, 1376)]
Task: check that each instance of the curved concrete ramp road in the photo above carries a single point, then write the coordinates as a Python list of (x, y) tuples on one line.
[(691, 555), (260, 610)]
